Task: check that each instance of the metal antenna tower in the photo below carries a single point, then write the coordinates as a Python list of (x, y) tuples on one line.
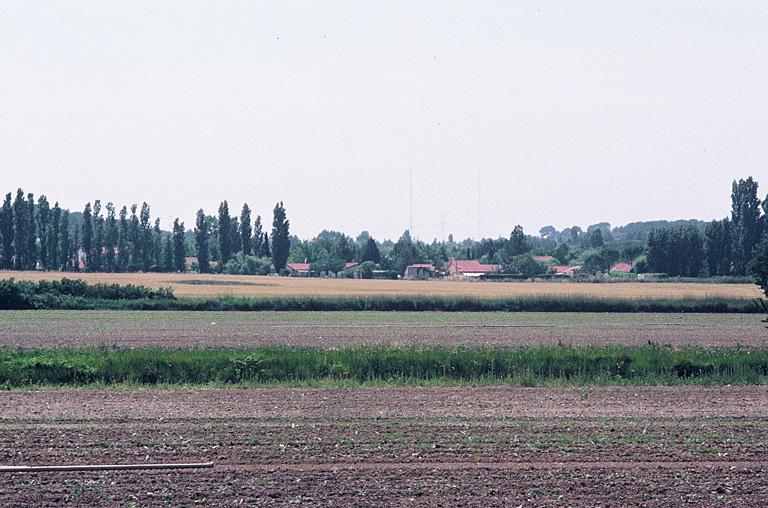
[(479, 205), (410, 219)]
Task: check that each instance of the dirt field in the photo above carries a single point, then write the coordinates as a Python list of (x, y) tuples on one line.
[(53, 329), (495, 446), (244, 285)]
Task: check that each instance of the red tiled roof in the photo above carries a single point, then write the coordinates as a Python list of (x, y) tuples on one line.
[(350, 264), (622, 267), (560, 269), (298, 267), (543, 259), (460, 266)]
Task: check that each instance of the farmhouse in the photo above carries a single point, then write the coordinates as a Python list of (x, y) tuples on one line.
[(419, 271), (297, 269), (469, 268), (621, 267), (566, 270)]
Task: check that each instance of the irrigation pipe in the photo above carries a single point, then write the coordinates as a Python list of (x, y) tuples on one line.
[(103, 467)]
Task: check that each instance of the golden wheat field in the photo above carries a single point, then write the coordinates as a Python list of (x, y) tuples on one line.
[(192, 284)]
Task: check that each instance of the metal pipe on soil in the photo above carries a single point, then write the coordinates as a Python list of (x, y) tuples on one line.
[(103, 467)]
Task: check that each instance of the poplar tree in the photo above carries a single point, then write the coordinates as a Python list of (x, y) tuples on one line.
[(747, 223), (201, 242), (31, 233), (225, 239), (257, 237), (20, 230), (110, 238), (43, 223), (134, 240), (87, 239), (167, 265), (98, 238), (54, 240), (245, 230), (145, 238), (179, 246), (7, 231), (123, 233), (65, 247), (281, 243)]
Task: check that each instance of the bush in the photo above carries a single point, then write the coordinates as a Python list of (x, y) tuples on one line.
[(241, 264)]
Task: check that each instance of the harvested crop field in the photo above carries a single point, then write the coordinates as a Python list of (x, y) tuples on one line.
[(55, 329), (205, 285), (393, 446)]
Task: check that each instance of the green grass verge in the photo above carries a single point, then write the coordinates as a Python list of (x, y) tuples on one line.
[(356, 365), (554, 303)]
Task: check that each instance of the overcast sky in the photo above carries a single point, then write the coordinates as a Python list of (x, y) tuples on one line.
[(573, 112)]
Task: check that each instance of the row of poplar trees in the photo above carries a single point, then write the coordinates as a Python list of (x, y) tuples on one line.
[(34, 235), (725, 248), (235, 236)]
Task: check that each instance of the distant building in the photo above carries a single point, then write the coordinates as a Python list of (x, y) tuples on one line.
[(419, 271), (297, 269), (547, 260), (621, 267), (566, 270), (469, 268)]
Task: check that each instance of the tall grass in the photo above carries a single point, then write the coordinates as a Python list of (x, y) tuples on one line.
[(358, 365)]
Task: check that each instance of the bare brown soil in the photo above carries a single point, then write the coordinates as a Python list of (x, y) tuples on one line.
[(55, 329), (250, 285), (495, 446)]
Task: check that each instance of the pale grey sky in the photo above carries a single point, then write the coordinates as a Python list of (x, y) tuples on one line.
[(575, 112)]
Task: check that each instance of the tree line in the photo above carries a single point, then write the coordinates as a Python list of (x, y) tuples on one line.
[(34, 235)]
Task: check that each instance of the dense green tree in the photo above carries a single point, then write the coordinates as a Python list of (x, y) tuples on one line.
[(65, 243), (747, 223), (134, 241), (95, 264), (31, 233), (518, 242), (403, 253), (235, 241), (678, 252), (225, 234), (167, 250), (43, 224), (87, 237), (717, 246), (20, 230), (246, 232), (266, 252), (54, 239), (525, 265), (281, 243), (201, 242), (145, 238), (563, 253), (370, 252), (179, 246), (110, 239), (758, 265), (7, 232), (257, 237), (596, 262), (123, 236), (157, 246), (596, 239)]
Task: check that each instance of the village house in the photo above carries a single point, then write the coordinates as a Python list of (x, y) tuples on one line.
[(421, 271), (469, 268), (565, 270)]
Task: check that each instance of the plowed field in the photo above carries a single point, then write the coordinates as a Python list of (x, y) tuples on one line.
[(393, 446), (53, 329)]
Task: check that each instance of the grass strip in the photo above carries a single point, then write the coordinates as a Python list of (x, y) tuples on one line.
[(541, 303), (360, 365)]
